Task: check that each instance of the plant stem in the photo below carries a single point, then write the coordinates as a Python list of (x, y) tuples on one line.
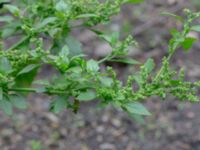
[(23, 90), (161, 69), (107, 58), (19, 43), (35, 90)]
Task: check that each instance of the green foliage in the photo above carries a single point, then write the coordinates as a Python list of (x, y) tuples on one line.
[(37, 22), (35, 145)]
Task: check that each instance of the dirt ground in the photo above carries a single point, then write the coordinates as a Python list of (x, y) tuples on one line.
[(173, 125)]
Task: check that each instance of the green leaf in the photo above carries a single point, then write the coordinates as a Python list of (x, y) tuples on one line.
[(135, 1), (110, 38), (64, 51), (13, 9), (54, 32), (18, 101), (7, 32), (136, 108), (6, 106), (75, 47), (196, 28), (176, 34), (102, 35), (59, 104), (36, 145), (187, 44), (5, 1), (114, 38), (138, 118), (41, 90), (87, 96), (149, 65), (86, 16), (107, 38), (173, 15), (26, 77), (138, 79), (126, 61), (106, 81), (28, 69), (45, 22), (7, 19), (92, 66), (1, 93), (62, 6), (5, 66), (42, 82)]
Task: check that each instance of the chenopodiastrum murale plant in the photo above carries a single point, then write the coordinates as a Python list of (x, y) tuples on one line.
[(33, 23)]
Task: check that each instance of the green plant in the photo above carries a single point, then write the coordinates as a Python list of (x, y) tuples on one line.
[(37, 22), (35, 145)]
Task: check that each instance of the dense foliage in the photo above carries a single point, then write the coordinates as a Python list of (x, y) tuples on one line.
[(37, 22)]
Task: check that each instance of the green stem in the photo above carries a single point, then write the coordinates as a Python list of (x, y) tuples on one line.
[(35, 90), (107, 58), (161, 69), (23, 90), (19, 43)]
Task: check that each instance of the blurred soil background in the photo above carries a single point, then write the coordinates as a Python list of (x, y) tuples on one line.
[(173, 125)]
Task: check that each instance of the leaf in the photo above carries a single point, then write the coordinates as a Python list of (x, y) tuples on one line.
[(138, 79), (107, 38), (135, 1), (126, 61), (136, 108), (41, 90), (36, 145), (28, 69), (175, 33), (97, 32), (62, 6), (13, 9), (110, 38), (149, 65), (87, 96), (54, 32), (59, 104), (86, 16), (26, 77), (187, 44), (92, 65), (1, 93), (106, 81), (45, 22), (42, 82), (138, 118), (173, 15), (75, 47), (114, 38), (5, 66), (18, 101), (3, 2), (7, 19), (7, 32), (65, 51), (6, 106), (196, 28)]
